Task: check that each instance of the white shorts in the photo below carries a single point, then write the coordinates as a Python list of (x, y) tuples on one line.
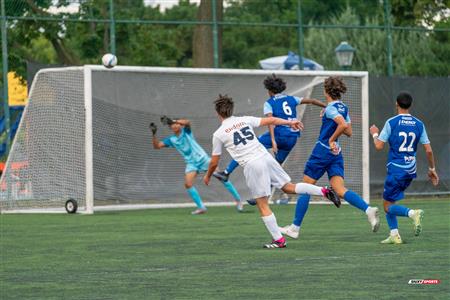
[(263, 172)]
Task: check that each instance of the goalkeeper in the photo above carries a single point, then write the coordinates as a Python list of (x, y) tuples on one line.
[(195, 157)]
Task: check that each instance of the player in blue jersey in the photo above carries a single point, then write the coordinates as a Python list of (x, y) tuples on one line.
[(280, 138), (327, 157), (403, 133), (195, 157)]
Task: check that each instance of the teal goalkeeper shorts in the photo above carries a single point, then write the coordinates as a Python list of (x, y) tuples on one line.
[(198, 167)]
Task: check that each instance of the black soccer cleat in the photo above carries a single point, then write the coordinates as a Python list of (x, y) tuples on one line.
[(251, 202), (331, 195), (222, 176), (281, 243)]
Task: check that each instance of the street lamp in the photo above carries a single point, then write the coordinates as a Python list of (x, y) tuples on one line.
[(344, 55)]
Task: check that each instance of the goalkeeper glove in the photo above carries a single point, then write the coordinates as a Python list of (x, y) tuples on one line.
[(167, 121), (153, 128)]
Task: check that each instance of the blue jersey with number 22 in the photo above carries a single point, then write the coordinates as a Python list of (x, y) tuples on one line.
[(403, 132)]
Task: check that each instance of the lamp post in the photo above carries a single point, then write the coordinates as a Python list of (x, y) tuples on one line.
[(344, 55)]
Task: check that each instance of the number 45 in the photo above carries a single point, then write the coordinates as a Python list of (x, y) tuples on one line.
[(247, 135)]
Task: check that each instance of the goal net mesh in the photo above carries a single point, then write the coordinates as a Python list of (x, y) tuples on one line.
[(47, 163)]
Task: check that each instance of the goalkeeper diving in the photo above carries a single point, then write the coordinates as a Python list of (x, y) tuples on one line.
[(196, 159)]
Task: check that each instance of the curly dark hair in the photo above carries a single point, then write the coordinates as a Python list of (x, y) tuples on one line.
[(335, 87), (224, 106), (274, 84)]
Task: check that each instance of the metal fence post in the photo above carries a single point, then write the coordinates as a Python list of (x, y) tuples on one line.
[(5, 77), (112, 28), (215, 34), (388, 30), (300, 34)]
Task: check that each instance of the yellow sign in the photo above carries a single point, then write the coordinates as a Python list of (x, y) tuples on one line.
[(17, 91)]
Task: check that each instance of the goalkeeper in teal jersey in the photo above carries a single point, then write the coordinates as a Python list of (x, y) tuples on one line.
[(195, 157)]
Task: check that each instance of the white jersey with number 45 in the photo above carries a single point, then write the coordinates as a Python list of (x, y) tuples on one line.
[(238, 137)]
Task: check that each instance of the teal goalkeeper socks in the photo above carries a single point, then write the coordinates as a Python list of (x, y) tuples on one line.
[(230, 187), (196, 197)]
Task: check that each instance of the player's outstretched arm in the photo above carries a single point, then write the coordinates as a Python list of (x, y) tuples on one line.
[(157, 144), (432, 174), (183, 122), (374, 131), (313, 102), (296, 124), (213, 164)]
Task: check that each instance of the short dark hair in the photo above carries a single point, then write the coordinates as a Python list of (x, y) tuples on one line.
[(224, 106), (404, 100), (335, 87), (274, 84)]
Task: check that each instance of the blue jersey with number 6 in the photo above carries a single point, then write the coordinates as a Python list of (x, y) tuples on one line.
[(403, 132), (284, 107)]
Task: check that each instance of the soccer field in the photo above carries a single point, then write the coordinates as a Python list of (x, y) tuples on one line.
[(169, 254)]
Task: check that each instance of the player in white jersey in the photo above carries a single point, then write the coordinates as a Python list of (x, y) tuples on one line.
[(261, 170)]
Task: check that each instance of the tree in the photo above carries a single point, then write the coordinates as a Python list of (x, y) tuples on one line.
[(203, 48)]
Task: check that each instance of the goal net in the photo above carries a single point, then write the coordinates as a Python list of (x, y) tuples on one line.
[(84, 135)]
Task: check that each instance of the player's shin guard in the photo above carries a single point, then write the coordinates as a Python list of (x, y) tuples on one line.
[(196, 197), (272, 226), (230, 187), (231, 166), (310, 189), (392, 221), (398, 210), (355, 200), (300, 209)]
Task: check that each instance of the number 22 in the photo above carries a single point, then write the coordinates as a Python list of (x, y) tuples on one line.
[(405, 136)]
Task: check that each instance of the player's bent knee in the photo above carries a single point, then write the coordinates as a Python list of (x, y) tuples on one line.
[(386, 205), (188, 185)]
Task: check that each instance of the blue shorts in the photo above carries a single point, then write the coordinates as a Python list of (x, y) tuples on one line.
[(285, 143), (324, 161), (395, 185), (198, 167)]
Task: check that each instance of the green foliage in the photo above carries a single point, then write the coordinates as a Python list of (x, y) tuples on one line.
[(76, 43)]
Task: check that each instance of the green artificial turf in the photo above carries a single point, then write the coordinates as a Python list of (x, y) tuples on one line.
[(169, 254)]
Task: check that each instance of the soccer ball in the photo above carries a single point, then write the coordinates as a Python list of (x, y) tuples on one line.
[(109, 60)]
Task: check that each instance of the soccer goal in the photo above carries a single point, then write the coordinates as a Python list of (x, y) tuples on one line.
[(84, 135)]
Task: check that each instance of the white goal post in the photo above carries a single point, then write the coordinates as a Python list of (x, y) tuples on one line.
[(84, 135)]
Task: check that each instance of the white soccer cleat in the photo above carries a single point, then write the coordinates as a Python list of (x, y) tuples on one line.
[(374, 219), (290, 231), (240, 206)]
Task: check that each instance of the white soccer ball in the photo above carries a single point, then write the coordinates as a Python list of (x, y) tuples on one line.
[(109, 60)]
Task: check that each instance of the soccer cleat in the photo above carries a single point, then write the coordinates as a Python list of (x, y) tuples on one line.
[(374, 219), (199, 211), (290, 231), (282, 201), (418, 216), (331, 195), (281, 243), (222, 176), (392, 239), (251, 202), (240, 206)]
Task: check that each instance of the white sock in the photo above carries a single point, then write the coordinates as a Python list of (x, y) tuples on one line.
[(272, 226), (394, 232), (368, 209), (295, 227), (310, 189), (411, 213)]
